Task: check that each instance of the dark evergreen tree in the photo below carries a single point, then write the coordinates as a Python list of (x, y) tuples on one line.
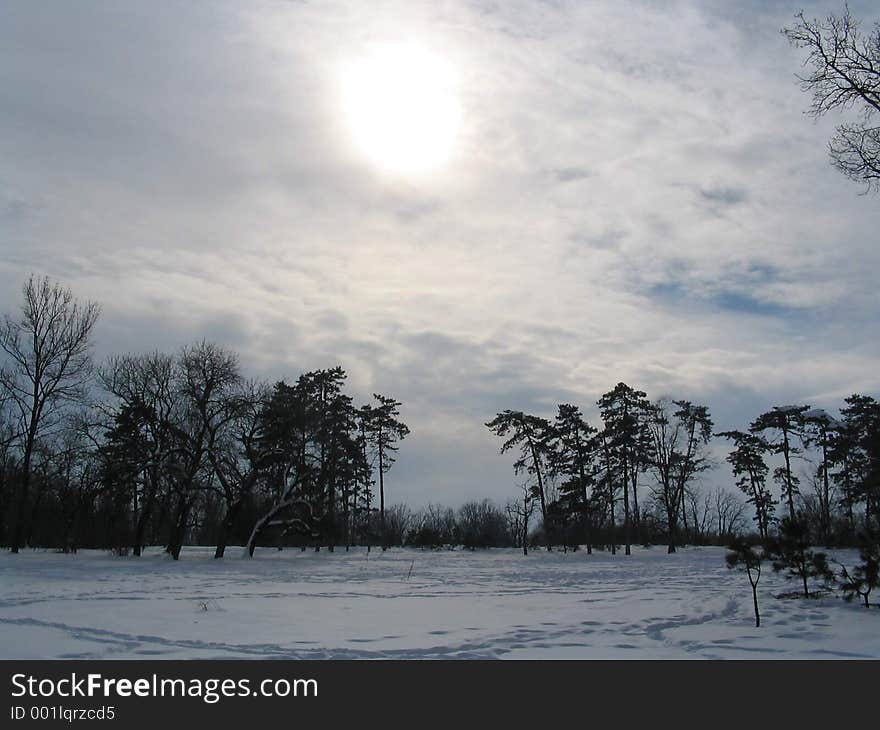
[(791, 552), (786, 424), (747, 461), (532, 436), (572, 456), (819, 433), (866, 575), (385, 430), (861, 417), (625, 412)]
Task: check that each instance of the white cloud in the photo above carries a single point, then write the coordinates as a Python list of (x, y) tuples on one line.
[(636, 195)]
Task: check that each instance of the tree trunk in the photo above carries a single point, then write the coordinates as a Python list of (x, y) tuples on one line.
[(226, 526), (382, 492), (671, 526), (613, 526), (18, 527), (789, 487), (539, 476), (755, 600), (826, 501), (587, 526), (178, 530), (626, 518)]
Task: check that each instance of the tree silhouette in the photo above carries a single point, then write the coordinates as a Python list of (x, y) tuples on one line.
[(531, 435), (747, 461), (49, 366), (844, 74), (624, 412)]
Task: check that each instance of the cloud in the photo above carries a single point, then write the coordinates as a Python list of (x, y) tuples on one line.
[(635, 195), (724, 195)]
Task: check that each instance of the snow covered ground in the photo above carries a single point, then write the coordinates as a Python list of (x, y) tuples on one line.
[(413, 604)]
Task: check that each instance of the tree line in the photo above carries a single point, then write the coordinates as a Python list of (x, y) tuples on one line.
[(585, 482), (169, 448), (176, 448)]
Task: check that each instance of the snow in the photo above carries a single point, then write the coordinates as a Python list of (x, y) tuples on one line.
[(820, 414), (455, 604)]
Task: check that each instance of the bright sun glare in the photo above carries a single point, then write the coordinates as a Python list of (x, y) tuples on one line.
[(402, 107)]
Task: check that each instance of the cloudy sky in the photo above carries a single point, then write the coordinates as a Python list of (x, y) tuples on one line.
[(598, 192)]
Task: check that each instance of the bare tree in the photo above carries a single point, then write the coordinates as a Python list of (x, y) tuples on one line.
[(680, 432), (48, 366), (207, 385), (729, 512), (236, 456), (519, 512), (844, 74)]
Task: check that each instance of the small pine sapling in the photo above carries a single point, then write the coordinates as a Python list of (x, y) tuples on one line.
[(745, 558), (791, 552), (866, 575)]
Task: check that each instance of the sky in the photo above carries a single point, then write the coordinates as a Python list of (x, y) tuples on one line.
[(606, 192)]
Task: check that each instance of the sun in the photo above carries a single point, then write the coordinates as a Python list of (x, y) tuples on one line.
[(401, 106)]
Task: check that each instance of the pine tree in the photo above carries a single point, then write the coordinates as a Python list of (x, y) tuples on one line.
[(788, 423), (866, 575), (819, 431), (747, 462), (862, 422), (624, 412), (746, 558), (532, 435), (573, 446), (791, 552), (385, 430)]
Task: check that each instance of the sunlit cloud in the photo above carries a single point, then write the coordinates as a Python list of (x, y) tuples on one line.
[(470, 206)]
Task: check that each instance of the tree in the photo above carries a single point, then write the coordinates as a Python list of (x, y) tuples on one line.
[(677, 455), (288, 469), (791, 552), (235, 455), (788, 423), (624, 412), (747, 461), (573, 445), (384, 431), (866, 575), (519, 512), (206, 380), (844, 74), (609, 464), (138, 442), (73, 476), (48, 366), (362, 494), (745, 557), (861, 426), (481, 524), (729, 512), (532, 435), (819, 431), (434, 526)]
